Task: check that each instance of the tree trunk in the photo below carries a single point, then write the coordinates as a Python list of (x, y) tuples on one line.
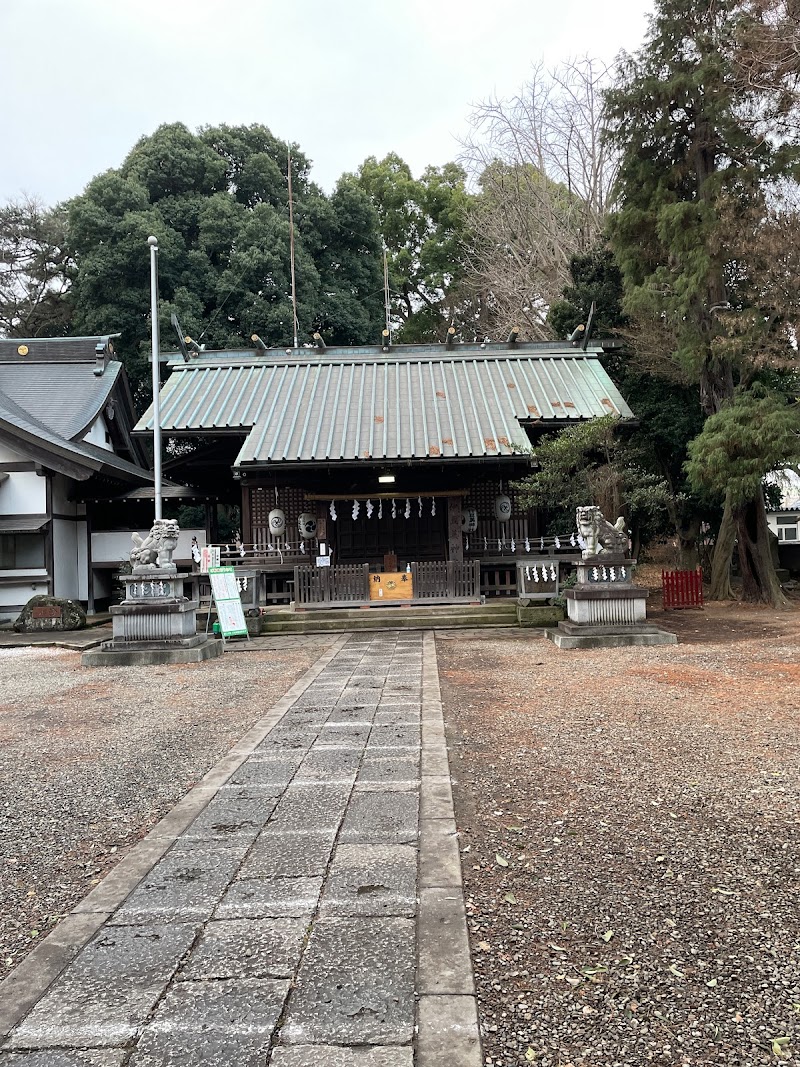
[(688, 554), (721, 588), (760, 583), (687, 531)]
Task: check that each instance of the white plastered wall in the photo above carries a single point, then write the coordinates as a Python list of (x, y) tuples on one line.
[(97, 434), (23, 492)]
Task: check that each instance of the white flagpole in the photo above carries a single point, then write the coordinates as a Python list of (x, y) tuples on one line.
[(153, 242)]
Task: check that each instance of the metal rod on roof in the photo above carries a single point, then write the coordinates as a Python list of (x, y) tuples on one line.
[(386, 296), (291, 248), (153, 243)]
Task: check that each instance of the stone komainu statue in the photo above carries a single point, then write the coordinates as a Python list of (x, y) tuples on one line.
[(160, 543), (600, 536)]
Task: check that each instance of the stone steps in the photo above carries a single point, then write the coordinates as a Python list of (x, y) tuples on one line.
[(453, 616)]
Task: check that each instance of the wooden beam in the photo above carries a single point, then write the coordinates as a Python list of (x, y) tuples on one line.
[(411, 494)]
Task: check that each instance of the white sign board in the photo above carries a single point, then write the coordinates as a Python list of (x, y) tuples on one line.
[(209, 557), (229, 604)]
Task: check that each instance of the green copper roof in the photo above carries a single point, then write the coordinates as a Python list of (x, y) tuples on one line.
[(423, 402)]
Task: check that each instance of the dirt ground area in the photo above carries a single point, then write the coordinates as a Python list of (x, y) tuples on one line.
[(629, 823), (91, 759)]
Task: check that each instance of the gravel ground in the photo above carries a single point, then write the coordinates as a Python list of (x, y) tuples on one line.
[(91, 759), (629, 824)]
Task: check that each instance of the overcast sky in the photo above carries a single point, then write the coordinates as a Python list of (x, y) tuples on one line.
[(86, 78)]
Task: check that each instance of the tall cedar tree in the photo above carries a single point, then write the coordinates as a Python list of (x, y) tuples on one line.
[(702, 147), (667, 411)]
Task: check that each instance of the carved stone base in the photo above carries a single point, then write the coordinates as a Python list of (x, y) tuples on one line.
[(155, 623), (606, 610)]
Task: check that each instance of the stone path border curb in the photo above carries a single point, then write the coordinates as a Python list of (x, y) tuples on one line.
[(28, 982), (448, 1034)]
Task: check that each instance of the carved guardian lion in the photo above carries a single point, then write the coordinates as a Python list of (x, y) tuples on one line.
[(600, 537)]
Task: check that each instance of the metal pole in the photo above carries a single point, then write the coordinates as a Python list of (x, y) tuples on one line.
[(291, 246), (153, 242)]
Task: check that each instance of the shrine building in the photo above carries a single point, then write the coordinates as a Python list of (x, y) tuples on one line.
[(392, 459)]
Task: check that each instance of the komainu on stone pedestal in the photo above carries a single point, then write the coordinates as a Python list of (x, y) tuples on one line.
[(154, 552), (600, 537), (605, 608)]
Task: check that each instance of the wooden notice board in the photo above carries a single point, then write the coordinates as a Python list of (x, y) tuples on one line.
[(228, 602), (396, 585)]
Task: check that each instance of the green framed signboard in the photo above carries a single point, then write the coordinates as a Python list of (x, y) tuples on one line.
[(228, 602)]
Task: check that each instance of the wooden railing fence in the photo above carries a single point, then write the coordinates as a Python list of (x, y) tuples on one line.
[(348, 584), (682, 589)]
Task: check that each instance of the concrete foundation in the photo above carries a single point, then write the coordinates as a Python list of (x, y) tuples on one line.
[(207, 648)]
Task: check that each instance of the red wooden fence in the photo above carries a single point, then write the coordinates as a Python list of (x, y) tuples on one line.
[(682, 589)]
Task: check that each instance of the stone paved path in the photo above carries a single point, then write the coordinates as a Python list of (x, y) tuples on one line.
[(302, 906)]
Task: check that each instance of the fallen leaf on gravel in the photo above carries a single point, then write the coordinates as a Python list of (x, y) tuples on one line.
[(676, 972), (607, 935), (779, 1047), (501, 860), (530, 1055), (484, 946), (555, 947), (724, 892), (711, 982), (509, 898), (590, 971)]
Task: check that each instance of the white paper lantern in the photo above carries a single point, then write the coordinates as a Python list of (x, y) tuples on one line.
[(307, 525), (277, 522), (502, 508), (469, 520)]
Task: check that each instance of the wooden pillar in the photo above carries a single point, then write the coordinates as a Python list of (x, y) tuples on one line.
[(247, 521), (455, 537), (89, 568), (49, 537)]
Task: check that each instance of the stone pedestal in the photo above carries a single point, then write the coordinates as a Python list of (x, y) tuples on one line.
[(606, 610), (155, 623)]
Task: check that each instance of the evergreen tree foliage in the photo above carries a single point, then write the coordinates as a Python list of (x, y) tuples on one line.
[(422, 225), (704, 153), (218, 203), (592, 463), (36, 268), (667, 411), (757, 432)]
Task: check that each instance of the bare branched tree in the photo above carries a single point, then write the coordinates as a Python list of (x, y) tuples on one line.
[(36, 269), (767, 59), (544, 176)]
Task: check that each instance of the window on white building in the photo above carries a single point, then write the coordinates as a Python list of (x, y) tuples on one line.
[(788, 527)]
